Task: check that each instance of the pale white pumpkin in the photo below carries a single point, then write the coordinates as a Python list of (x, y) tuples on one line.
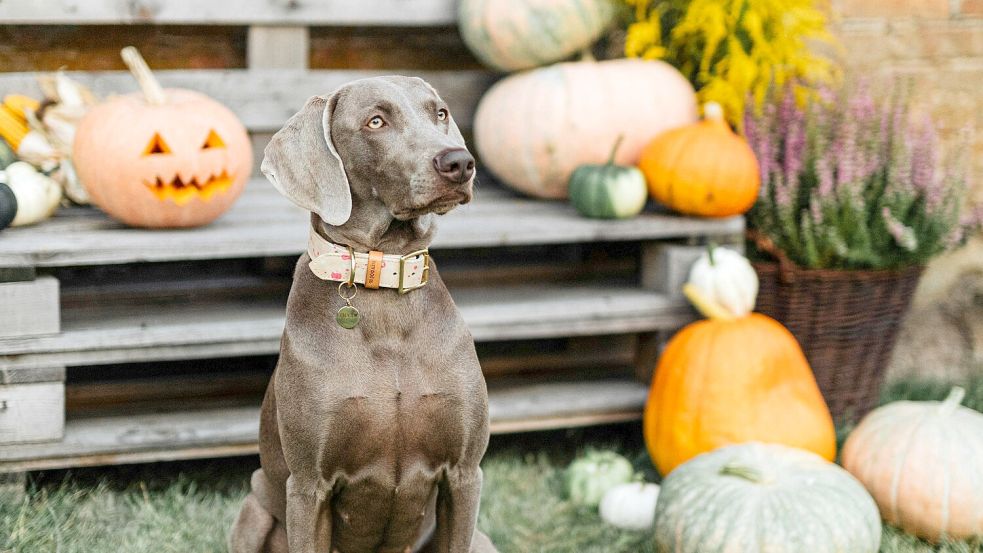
[(764, 497), (534, 128), (726, 277), (923, 463), (510, 35), (37, 195), (630, 506)]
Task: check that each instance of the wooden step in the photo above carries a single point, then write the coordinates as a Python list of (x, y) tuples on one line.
[(420, 13), (229, 431), (228, 327), (262, 224)]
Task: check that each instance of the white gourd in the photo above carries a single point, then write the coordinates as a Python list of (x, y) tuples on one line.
[(630, 506), (37, 195), (726, 277)]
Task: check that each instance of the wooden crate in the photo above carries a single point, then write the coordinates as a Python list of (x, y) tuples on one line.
[(32, 405), (213, 297)]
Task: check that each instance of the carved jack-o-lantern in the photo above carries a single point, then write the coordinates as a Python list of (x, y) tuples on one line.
[(162, 158)]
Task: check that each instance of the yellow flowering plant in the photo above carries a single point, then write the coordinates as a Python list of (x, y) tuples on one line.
[(734, 51)]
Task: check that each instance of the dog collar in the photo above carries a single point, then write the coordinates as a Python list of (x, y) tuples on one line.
[(330, 261)]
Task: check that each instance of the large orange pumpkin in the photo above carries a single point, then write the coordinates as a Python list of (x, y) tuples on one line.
[(162, 158), (733, 378), (702, 169), (534, 128)]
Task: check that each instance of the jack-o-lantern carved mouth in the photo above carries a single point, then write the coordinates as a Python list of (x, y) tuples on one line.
[(181, 192)]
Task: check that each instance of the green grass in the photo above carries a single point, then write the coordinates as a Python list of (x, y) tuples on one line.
[(188, 507)]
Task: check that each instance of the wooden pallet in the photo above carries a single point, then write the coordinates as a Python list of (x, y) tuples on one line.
[(215, 296)]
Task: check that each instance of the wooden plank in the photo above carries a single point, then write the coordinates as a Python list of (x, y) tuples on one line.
[(31, 412), (29, 308), (278, 47), (265, 98), (263, 223), (9, 375), (113, 333), (233, 430), (230, 12)]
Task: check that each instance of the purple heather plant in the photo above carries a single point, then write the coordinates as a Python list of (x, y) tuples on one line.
[(848, 182)]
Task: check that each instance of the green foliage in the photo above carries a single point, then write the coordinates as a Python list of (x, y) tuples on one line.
[(854, 182), (733, 50)]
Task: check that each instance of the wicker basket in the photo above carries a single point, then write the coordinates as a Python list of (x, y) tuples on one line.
[(847, 323)]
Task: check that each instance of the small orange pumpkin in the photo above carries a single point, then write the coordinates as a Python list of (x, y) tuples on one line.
[(702, 169), (163, 158), (733, 378)]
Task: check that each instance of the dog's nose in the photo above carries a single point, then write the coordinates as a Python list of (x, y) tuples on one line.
[(456, 165)]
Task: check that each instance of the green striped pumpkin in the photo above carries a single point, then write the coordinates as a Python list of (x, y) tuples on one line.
[(509, 35), (764, 497), (608, 191)]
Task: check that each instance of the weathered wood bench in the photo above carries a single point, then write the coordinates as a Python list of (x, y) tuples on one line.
[(167, 337)]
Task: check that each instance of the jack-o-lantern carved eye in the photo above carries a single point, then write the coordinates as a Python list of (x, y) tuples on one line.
[(213, 141), (156, 146)]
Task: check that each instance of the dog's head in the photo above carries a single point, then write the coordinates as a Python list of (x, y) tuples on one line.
[(387, 138)]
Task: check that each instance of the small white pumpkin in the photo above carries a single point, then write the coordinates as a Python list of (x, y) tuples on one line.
[(727, 277), (630, 506), (923, 463), (37, 195)]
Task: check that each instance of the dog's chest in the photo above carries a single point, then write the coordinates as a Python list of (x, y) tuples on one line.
[(401, 411)]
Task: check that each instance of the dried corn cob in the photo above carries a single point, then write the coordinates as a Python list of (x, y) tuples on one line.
[(12, 128), (19, 105)]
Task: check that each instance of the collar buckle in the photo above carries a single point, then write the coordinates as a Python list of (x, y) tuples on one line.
[(403, 289)]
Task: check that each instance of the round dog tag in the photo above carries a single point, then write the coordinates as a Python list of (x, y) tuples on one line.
[(347, 317)]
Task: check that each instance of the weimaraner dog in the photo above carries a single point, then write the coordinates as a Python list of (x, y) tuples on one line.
[(370, 437)]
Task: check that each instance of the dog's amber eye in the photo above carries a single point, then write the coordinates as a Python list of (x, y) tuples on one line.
[(441, 114), (376, 123)]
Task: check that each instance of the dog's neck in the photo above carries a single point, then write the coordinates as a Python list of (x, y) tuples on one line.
[(372, 227)]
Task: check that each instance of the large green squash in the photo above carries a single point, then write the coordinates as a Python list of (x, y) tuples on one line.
[(509, 35), (770, 498)]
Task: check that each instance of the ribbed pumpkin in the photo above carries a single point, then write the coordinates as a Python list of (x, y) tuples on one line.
[(702, 169), (534, 128), (757, 498), (733, 378), (161, 158), (509, 35), (923, 463), (608, 191)]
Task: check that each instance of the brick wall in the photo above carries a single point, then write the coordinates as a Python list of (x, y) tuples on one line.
[(938, 44)]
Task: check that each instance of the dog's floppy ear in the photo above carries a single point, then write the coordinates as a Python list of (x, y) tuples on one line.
[(303, 164)]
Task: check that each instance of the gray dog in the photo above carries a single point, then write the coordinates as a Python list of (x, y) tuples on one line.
[(370, 437)]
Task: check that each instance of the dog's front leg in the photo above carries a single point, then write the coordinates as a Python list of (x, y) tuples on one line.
[(308, 522), (457, 510)]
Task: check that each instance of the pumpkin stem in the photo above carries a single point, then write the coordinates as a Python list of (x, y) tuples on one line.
[(953, 400), (742, 471), (708, 307), (713, 111), (152, 90), (711, 247), (614, 149)]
